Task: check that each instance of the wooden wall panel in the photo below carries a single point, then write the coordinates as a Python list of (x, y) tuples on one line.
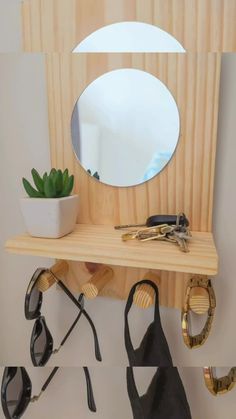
[(59, 25), (186, 184), (171, 287)]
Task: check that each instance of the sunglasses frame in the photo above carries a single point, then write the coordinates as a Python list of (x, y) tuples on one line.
[(8, 376), (40, 322), (10, 373), (32, 284), (79, 304)]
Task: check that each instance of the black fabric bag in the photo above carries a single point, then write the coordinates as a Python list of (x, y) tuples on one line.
[(164, 399), (153, 350)]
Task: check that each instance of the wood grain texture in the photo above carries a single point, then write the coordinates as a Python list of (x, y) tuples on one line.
[(47, 279), (97, 282), (130, 262), (144, 296), (199, 301), (59, 25), (103, 244), (171, 287), (186, 184)]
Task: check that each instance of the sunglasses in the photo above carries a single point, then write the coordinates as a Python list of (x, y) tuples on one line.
[(41, 343), (16, 391)]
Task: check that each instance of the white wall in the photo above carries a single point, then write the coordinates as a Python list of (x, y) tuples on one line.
[(10, 25), (24, 144)]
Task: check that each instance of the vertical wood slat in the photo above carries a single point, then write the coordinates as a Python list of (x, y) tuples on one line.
[(197, 152), (214, 131), (60, 25), (48, 26), (36, 25), (26, 27), (186, 184)]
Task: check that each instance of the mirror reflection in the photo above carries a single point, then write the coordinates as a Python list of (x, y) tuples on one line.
[(130, 37), (125, 127)]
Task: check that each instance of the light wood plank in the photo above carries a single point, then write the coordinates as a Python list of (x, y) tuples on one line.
[(199, 25), (103, 244)]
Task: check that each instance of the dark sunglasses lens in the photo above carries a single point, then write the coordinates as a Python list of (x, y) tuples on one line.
[(14, 393), (40, 346), (41, 343), (34, 300)]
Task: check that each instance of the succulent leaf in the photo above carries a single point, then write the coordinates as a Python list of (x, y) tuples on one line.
[(38, 181), (65, 177), (58, 181), (53, 172), (67, 189), (49, 189), (45, 177), (33, 193), (55, 185)]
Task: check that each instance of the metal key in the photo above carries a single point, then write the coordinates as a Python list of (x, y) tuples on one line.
[(182, 244), (176, 234), (182, 235), (150, 233), (155, 233), (176, 240)]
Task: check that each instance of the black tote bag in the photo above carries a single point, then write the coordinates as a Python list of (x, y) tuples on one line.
[(153, 350), (164, 399)]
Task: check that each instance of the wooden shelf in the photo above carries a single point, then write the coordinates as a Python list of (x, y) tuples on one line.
[(103, 244)]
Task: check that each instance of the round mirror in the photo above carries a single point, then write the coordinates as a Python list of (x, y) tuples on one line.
[(129, 37), (125, 127)]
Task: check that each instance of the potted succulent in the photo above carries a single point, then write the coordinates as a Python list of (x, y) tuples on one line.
[(50, 210)]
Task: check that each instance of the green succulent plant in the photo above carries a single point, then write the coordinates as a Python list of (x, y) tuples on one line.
[(56, 184)]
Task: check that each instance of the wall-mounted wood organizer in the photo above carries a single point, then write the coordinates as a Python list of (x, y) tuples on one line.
[(187, 182), (103, 244), (102, 206)]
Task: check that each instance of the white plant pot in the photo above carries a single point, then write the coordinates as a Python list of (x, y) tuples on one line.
[(50, 217)]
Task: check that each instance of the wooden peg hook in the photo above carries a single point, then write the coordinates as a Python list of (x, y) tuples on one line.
[(46, 279), (199, 301), (144, 295), (97, 282)]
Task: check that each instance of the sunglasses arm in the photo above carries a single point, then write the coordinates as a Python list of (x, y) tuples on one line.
[(71, 296), (55, 351), (90, 395), (47, 382)]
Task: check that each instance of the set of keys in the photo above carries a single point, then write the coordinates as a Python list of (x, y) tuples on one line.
[(178, 232)]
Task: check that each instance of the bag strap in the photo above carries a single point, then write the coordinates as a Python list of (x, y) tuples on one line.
[(133, 394), (157, 319)]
